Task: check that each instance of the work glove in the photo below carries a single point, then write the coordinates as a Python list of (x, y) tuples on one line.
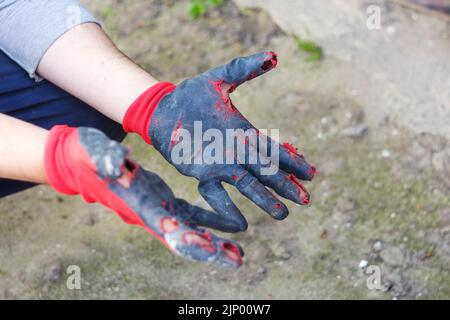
[(164, 111), (84, 161)]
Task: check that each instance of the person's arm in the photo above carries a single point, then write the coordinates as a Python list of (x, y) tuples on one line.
[(85, 162), (66, 42), (22, 148), (85, 63)]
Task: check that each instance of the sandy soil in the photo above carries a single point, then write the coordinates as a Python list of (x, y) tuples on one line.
[(381, 198)]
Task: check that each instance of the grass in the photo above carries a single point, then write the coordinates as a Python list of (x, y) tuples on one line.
[(315, 53), (199, 8)]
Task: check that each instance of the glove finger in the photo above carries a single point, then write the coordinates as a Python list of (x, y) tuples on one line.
[(290, 160), (284, 184), (172, 229), (255, 191), (191, 242), (106, 155), (201, 245), (201, 217), (243, 69), (293, 162), (216, 196)]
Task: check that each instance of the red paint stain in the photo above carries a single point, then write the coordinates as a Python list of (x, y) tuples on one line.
[(293, 151), (235, 178), (219, 86), (232, 88), (270, 61), (277, 206), (252, 76), (168, 225), (224, 104), (302, 192), (313, 171), (128, 169), (232, 252), (176, 133), (202, 240)]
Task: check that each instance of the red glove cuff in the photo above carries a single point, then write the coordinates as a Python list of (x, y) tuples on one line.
[(68, 166), (139, 115), (70, 171), (58, 172)]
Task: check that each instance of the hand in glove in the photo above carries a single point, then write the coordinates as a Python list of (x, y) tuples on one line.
[(164, 110), (84, 161)]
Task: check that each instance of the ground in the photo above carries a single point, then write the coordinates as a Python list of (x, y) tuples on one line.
[(381, 198)]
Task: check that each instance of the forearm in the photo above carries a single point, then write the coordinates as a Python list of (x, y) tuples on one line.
[(22, 148), (85, 63)]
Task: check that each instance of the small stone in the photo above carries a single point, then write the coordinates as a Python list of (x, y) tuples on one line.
[(356, 131), (392, 256), (378, 246), (363, 264), (385, 153)]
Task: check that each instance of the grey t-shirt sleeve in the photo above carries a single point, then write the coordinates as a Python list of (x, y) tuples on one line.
[(29, 27)]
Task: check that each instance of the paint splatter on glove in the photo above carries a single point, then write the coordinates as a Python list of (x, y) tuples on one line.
[(84, 161), (164, 111)]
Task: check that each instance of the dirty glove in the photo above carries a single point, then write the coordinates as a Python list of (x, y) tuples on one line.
[(161, 114), (84, 161)]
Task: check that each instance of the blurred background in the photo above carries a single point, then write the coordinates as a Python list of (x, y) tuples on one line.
[(362, 89)]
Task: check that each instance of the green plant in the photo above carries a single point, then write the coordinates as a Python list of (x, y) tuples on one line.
[(315, 52), (199, 7)]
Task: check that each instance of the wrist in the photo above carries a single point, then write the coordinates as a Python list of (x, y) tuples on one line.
[(138, 117)]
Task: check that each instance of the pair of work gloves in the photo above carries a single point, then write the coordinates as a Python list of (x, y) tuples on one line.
[(84, 161)]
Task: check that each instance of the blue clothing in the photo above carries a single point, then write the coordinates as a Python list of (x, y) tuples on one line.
[(45, 105)]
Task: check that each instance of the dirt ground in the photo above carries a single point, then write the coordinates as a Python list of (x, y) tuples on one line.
[(381, 199)]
